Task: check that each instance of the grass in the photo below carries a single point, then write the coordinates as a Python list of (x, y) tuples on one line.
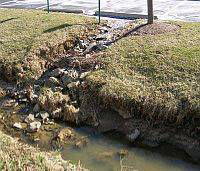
[(154, 76), (15, 155), (28, 38)]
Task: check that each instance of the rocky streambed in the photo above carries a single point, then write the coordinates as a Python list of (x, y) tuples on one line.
[(62, 94)]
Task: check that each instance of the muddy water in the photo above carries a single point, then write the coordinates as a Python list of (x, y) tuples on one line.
[(101, 152)]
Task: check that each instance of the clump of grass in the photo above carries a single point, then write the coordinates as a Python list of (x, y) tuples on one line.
[(15, 155), (154, 76)]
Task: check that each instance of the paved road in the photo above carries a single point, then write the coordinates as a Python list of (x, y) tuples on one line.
[(187, 10)]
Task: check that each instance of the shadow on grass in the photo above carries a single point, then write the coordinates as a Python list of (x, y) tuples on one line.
[(57, 28), (67, 25), (3, 21)]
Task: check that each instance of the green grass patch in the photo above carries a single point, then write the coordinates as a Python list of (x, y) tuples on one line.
[(29, 37), (154, 76)]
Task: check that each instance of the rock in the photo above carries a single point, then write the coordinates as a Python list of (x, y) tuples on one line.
[(57, 89), (73, 73), (52, 82), (133, 136), (65, 134), (29, 118), (71, 114), (81, 144), (23, 100), (44, 115), (36, 108), (91, 47), (50, 101), (9, 103), (56, 72), (74, 84), (32, 97), (66, 80), (82, 44), (84, 74), (57, 113), (17, 125), (35, 126), (103, 29)]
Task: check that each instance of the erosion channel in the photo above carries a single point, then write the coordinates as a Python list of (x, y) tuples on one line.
[(61, 111)]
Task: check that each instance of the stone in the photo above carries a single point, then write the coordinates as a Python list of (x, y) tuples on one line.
[(32, 97), (36, 108), (65, 134), (17, 125), (57, 89), (57, 113), (73, 73), (84, 74), (35, 126), (74, 84), (29, 118), (23, 100), (50, 101), (133, 136), (104, 29), (44, 115), (91, 47), (71, 114), (56, 72), (9, 103), (66, 80), (81, 144), (52, 82)]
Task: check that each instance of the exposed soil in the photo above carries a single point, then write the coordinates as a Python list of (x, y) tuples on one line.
[(156, 28)]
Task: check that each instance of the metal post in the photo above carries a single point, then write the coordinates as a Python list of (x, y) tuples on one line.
[(48, 6), (150, 11), (99, 11)]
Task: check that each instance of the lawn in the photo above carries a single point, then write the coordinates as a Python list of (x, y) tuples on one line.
[(28, 38), (154, 76)]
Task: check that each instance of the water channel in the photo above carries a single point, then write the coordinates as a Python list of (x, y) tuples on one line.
[(102, 150)]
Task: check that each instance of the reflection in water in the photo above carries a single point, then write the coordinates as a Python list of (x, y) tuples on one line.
[(101, 154)]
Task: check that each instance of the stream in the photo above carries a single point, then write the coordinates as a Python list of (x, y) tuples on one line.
[(102, 152)]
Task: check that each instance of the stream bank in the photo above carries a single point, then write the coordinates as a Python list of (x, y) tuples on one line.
[(64, 93)]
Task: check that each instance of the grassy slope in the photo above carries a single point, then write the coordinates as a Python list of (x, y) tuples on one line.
[(155, 75), (23, 32), (15, 155)]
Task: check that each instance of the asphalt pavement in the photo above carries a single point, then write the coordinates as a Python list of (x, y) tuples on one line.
[(186, 10)]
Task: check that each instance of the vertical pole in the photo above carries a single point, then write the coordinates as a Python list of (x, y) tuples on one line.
[(150, 11), (48, 6), (99, 11)]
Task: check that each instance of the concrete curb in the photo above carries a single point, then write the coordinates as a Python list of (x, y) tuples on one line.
[(66, 11), (122, 15)]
